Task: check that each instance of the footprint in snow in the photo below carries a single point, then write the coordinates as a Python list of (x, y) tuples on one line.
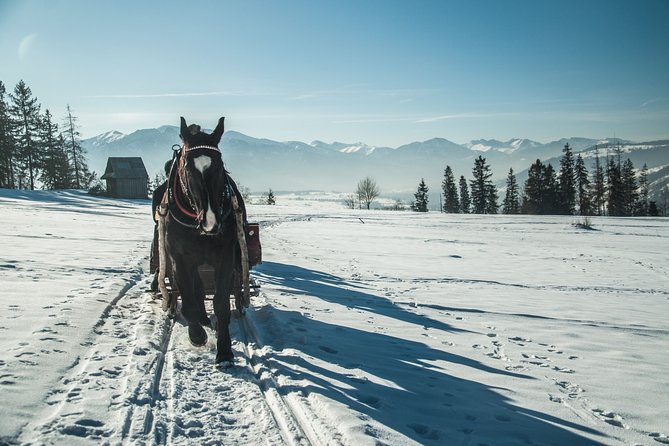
[(555, 398), (571, 389), (610, 417), (328, 349), (424, 431), (660, 438)]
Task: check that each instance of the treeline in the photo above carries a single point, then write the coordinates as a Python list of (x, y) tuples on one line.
[(35, 152), (612, 188)]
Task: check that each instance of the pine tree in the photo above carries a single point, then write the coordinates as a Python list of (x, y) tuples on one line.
[(271, 200), (551, 198), (511, 203), (582, 187), (616, 199), (491, 205), (483, 190), (451, 200), (567, 189), (534, 189), (82, 176), (7, 145), (56, 169), (642, 205), (465, 200), (598, 192), (630, 192), (24, 111), (420, 204)]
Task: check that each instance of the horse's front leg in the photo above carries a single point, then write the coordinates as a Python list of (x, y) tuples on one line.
[(190, 301), (222, 311), (201, 295)]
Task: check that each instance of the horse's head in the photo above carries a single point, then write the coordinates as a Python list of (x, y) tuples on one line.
[(203, 177)]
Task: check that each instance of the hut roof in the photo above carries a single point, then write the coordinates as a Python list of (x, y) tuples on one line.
[(125, 168)]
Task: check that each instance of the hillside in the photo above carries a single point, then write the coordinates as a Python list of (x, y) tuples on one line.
[(261, 164)]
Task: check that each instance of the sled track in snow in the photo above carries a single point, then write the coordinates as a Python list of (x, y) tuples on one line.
[(138, 380), (191, 400), (295, 427)]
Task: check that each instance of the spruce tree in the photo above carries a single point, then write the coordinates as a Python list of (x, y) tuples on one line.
[(420, 203), (271, 200), (598, 192), (451, 200), (630, 192), (616, 199), (7, 145), (465, 200), (483, 190), (642, 205), (567, 189), (534, 190), (551, 199), (24, 112), (511, 203), (56, 169), (582, 187), (77, 154), (491, 205)]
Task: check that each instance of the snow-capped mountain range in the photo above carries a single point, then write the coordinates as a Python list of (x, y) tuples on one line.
[(261, 164)]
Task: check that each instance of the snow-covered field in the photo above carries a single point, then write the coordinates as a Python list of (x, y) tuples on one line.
[(373, 327)]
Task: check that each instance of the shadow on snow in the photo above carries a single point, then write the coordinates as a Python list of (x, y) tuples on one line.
[(400, 383)]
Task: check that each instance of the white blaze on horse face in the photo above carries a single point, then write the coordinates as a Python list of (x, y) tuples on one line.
[(201, 163)]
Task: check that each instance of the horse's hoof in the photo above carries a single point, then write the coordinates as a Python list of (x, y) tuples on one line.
[(205, 321), (222, 358), (197, 335)]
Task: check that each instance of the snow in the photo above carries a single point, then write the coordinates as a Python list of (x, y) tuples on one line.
[(107, 138), (363, 148), (373, 327)]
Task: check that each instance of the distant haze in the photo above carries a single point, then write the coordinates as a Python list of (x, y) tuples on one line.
[(261, 164)]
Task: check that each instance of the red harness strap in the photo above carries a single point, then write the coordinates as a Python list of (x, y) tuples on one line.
[(180, 205)]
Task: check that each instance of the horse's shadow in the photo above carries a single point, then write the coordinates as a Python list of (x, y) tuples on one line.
[(397, 382)]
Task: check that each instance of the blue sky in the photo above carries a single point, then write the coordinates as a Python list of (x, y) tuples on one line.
[(383, 72)]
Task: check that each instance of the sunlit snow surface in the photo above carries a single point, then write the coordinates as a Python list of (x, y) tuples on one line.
[(373, 327)]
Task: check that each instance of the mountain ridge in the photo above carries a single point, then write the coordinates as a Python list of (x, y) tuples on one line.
[(262, 163)]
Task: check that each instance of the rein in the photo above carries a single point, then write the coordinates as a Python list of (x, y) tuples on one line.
[(180, 184)]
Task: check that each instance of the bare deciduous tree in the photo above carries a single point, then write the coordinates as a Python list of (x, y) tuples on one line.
[(367, 191), (350, 201)]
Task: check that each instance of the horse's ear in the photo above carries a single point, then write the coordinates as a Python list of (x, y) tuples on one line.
[(218, 131), (184, 129)]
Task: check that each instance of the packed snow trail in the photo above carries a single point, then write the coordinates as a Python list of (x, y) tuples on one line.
[(443, 329)]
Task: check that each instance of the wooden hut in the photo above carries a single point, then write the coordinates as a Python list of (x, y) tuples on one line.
[(126, 177)]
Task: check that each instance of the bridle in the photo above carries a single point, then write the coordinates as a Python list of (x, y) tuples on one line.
[(179, 187)]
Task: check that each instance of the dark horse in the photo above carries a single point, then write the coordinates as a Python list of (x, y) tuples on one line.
[(201, 229)]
